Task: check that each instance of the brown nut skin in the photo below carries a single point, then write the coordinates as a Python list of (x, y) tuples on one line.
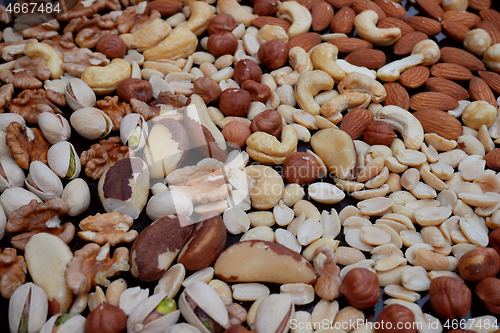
[(246, 69), (478, 264), (488, 291), (234, 102), (106, 318), (205, 243), (379, 132), (265, 7), (394, 314), (236, 133), (361, 288), (273, 53), (222, 43), (258, 91), (268, 121), (221, 23), (135, 88), (111, 46), (237, 328), (494, 237), (165, 7), (355, 122), (207, 89), (450, 297), (301, 168)]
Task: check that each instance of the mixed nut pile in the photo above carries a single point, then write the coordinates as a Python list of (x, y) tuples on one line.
[(150, 85)]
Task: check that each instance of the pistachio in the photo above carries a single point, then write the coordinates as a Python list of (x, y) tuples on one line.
[(67, 323), (63, 160), (43, 181), (157, 311), (168, 203), (15, 197), (11, 174), (7, 118), (274, 314), (3, 222), (28, 308), (134, 131), (91, 123), (76, 194), (55, 128), (79, 94)]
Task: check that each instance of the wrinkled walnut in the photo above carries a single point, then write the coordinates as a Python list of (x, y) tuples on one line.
[(12, 272), (31, 103), (76, 60), (37, 217), (81, 10), (43, 31), (328, 285), (102, 155), (6, 92), (109, 228), (182, 175), (88, 32), (115, 110), (92, 266), (27, 144), (14, 52), (27, 73), (62, 43), (130, 21), (117, 4)]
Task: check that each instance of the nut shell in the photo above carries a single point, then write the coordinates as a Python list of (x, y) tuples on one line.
[(488, 290), (38, 307), (269, 121), (247, 69), (394, 314), (236, 133), (301, 168), (361, 288), (450, 297), (478, 264), (273, 53), (221, 44), (111, 46), (106, 318), (221, 23), (207, 89), (235, 102), (135, 88)]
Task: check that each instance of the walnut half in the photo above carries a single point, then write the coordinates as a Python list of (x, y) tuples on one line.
[(112, 228), (12, 272)]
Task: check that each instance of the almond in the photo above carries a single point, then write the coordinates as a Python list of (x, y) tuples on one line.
[(447, 87), (493, 159), (414, 77), (309, 4), (455, 30), (432, 100), (491, 15), (391, 22), (439, 122), (343, 21), (362, 5), (480, 91), (306, 41), (355, 122), (165, 7), (470, 20), (492, 79), (340, 3), (396, 95), (391, 8), (431, 8), (405, 44), (348, 45), (461, 57), (426, 25), (479, 4), (369, 58), (261, 21), (491, 29), (322, 14), (451, 72)]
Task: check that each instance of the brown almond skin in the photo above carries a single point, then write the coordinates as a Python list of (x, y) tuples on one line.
[(470, 20), (447, 87), (451, 71), (428, 26), (478, 264), (492, 79), (491, 29), (493, 159), (488, 291), (396, 313), (450, 297), (414, 77), (391, 8), (106, 318), (405, 44), (360, 288), (265, 7), (261, 21), (396, 95), (306, 41), (165, 7), (322, 14), (480, 91), (435, 100), (439, 122), (355, 122), (461, 57), (455, 30), (391, 22), (343, 21), (369, 58), (431, 8), (349, 45)]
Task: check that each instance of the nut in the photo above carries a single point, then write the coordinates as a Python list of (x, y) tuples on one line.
[(265, 7), (269, 122), (361, 288), (395, 314), (135, 88), (236, 133), (234, 102), (300, 168), (106, 318), (222, 43), (450, 297), (379, 132), (355, 122), (273, 53), (259, 92), (478, 264), (488, 290), (207, 89), (221, 23), (111, 46), (247, 69)]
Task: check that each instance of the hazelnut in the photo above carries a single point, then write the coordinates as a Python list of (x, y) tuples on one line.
[(135, 88), (269, 121), (237, 329), (111, 46), (450, 297), (207, 89), (494, 237), (361, 288), (259, 92), (273, 53), (379, 132), (221, 44), (478, 264), (106, 318), (235, 102), (394, 314), (221, 23), (265, 7), (236, 132), (247, 69), (488, 291), (301, 168)]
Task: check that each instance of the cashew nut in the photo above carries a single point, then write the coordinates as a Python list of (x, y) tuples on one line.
[(181, 43), (349, 68), (405, 123), (299, 60), (332, 110), (323, 57), (308, 85), (233, 8), (357, 82), (392, 71), (200, 17), (266, 149), (300, 16), (104, 80), (148, 36), (49, 55), (429, 49), (366, 27)]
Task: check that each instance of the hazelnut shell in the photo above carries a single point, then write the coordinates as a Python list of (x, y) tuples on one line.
[(236, 133), (106, 318), (361, 288), (488, 291), (478, 264), (450, 297), (269, 121), (235, 102), (246, 69), (394, 314), (273, 53), (222, 43), (301, 168), (221, 23)]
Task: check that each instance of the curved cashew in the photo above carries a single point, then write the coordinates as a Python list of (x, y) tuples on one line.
[(49, 55), (357, 82), (309, 84), (350, 68), (300, 15), (429, 49), (181, 43), (405, 123), (299, 60), (366, 27), (332, 110), (148, 36), (266, 149), (104, 80), (233, 8), (199, 18), (323, 57), (392, 71), (491, 58)]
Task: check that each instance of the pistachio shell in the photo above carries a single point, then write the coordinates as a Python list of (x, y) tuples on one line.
[(15, 197), (55, 128), (7, 118), (273, 310), (76, 194), (131, 297), (75, 324), (169, 203), (182, 328), (143, 309), (79, 94), (135, 125), (43, 181), (14, 174), (3, 222), (91, 123), (38, 307), (59, 159), (4, 149)]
